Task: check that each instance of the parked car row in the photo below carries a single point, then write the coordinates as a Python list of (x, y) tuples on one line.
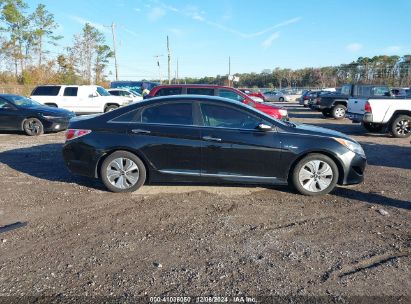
[(374, 106)]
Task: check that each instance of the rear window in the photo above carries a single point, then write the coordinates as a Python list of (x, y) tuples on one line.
[(46, 91), (200, 91), (380, 91), (174, 114), (70, 91), (169, 91)]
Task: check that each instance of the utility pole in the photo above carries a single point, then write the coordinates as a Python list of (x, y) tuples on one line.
[(169, 61), (177, 80), (113, 30), (229, 71), (158, 64)]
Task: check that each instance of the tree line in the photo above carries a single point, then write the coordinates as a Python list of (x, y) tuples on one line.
[(389, 70), (26, 38)]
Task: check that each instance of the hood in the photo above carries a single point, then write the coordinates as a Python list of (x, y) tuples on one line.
[(260, 105), (314, 130), (46, 110)]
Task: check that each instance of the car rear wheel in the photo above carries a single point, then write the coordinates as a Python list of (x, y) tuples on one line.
[(281, 99), (338, 112), (373, 127), (123, 171), (315, 174), (401, 126), (33, 127)]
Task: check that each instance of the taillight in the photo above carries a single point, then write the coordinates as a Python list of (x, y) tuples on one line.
[(318, 100), (305, 97), (76, 133), (367, 107)]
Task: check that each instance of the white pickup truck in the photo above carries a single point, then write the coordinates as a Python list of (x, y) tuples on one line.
[(81, 99), (382, 113)]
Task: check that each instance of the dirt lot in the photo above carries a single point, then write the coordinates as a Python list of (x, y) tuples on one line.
[(204, 240)]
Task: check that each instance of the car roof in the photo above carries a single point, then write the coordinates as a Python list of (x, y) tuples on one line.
[(213, 86), (191, 97)]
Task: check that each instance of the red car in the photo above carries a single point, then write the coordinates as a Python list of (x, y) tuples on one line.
[(255, 94), (222, 91)]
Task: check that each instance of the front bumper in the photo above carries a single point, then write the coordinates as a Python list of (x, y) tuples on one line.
[(354, 167), (55, 125), (356, 118)]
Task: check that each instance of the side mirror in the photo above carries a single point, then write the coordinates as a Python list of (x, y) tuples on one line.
[(264, 127)]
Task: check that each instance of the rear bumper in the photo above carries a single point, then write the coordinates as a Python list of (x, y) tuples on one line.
[(80, 158), (367, 117)]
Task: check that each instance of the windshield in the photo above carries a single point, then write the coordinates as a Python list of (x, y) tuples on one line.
[(21, 101), (102, 91)]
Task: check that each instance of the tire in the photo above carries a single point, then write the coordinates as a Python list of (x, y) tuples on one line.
[(338, 111), (281, 99), (326, 113), (114, 174), (315, 174), (53, 105), (110, 108), (373, 127), (401, 126), (33, 127)]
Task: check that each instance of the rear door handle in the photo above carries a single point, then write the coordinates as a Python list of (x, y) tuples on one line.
[(140, 131), (209, 138)]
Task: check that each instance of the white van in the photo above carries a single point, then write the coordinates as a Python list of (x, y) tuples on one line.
[(81, 99)]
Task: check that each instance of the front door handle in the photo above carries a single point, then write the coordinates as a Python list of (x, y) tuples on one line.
[(209, 138), (140, 131)]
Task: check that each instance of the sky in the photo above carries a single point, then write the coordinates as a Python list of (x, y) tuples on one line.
[(257, 35)]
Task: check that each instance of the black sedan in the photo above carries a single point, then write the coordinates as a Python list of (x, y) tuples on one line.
[(18, 113), (208, 139)]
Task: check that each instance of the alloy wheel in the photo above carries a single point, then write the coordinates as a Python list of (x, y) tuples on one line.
[(33, 127), (315, 176), (403, 127), (339, 112), (123, 173)]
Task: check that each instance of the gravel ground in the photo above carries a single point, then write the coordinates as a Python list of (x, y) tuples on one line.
[(204, 240)]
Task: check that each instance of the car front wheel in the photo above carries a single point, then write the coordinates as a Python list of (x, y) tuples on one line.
[(123, 171), (33, 127), (110, 108), (315, 174)]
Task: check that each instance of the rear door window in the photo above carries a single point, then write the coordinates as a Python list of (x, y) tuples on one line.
[(200, 91), (169, 91), (46, 91), (226, 117), (70, 91), (115, 93), (170, 113)]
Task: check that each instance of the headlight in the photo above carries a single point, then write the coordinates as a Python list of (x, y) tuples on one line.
[(49, 117), (283, 113), (353, 146)]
